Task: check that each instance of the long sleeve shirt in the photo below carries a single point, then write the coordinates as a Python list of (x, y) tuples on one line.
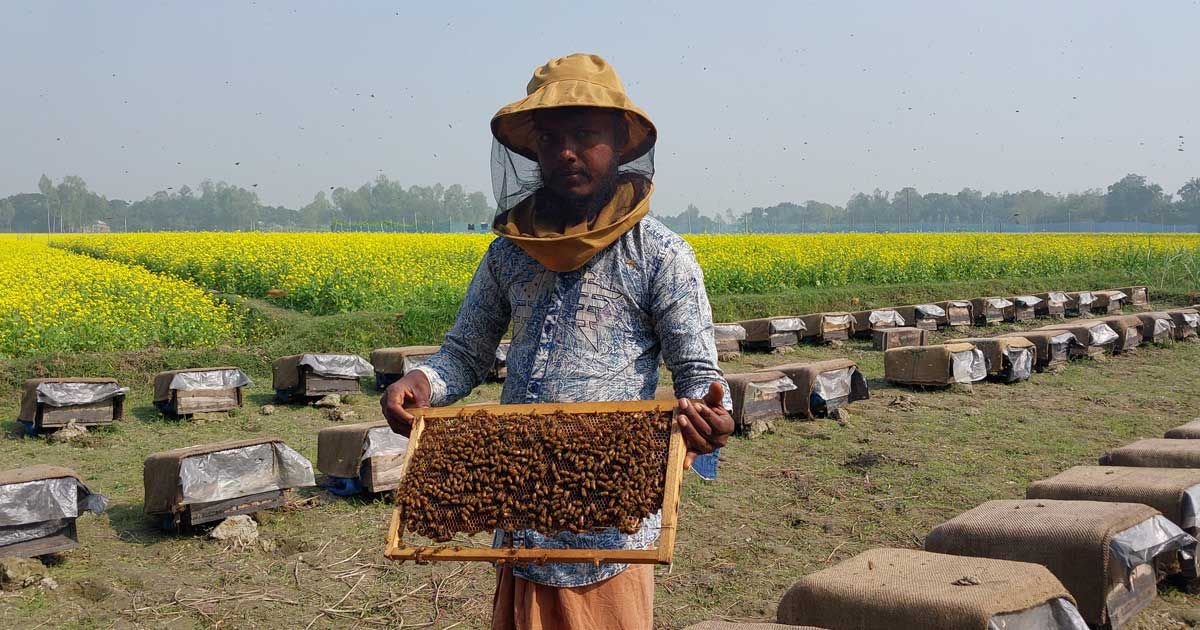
[(594, 334)]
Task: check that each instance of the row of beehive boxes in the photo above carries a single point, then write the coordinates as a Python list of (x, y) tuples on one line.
[(1086, 547), (899, 324)]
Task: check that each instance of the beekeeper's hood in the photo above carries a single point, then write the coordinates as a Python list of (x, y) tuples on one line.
[(578, 80)]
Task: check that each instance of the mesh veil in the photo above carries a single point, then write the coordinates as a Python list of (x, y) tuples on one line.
[(516, 177)]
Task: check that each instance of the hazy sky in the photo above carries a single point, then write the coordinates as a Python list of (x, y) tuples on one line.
[(755, 103)]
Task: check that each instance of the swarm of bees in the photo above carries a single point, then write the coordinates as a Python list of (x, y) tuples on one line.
[(550, 473)]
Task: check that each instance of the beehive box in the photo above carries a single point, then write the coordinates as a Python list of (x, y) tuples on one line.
[(312, 375), (757, 399), (890, 589), (1157, 327), (38, 508), (923, 316), (499, 370), (768, 333), (867, 322), (369, 452), (392, 363), (1053, 304), (942, 365), (990, 310), (1009, 359), (182, 393), (729, 337), (826, 327), (50, 403), (958, 313), (1128, 329), (551, 467), (905, 336), (821, 387), (1053, 347), (211, 482), (1079, 303), (1094, 548), (1024, 308), (1155, 453), (1092, 336), (1109, 302), (1137, 296), (1187, 321)]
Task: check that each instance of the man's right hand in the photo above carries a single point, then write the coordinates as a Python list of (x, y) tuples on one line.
[(412, 390)]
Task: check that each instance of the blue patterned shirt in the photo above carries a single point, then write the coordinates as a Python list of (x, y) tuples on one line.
[(594, 334)]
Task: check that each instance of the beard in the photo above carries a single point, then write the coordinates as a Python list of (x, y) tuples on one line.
[(571, 209)]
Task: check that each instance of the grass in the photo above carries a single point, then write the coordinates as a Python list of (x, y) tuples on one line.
[(786, 504)]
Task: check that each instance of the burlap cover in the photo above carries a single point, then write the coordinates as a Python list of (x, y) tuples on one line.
[(804, 377), (37, 472), (391, 360), (162, 380), (1156, 453), (1068, 537), (819, 324), (887, 589), (160, 473), (862, 319), (738, 385), (1189, 431), (733, 625), (994, 347), (340, 448), (1160, 488), (285, 372), (1148, 320), (760, 329), (1081, 328), (29, 403), (1105, 298), (1121, 323), (909, 313), (1136, 295), (922, 365), (981, 306)]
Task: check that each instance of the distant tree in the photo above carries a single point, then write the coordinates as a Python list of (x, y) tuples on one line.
[(1132, 199)]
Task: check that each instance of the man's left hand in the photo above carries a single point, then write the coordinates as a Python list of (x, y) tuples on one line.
[(705, 427)]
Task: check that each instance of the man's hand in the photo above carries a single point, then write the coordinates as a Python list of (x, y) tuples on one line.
[(705, 427), (412, 390)]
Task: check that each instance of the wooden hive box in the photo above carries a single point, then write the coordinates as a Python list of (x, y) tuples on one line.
[(538, 450), (821, 387), (935, 366), (1128, 329), (923, 316), (891, 589), (1157, 327), (1053, 304), (901, 337), (312, 375), (181, 393), (369, 452), (826, 327), (1187, 321), (1137, 296), (757, 400), (867, 322), (1092, 547), (990, 310), (958, 313), (729, 337), (1108, 302), (1155, 453), (1024, 307), (1175, 492), (1079, 303), (50, 403), (38, 508), (392, 363), (768, 333), (1009, 359), (1092, 336), (1053, 347), (211, 482)]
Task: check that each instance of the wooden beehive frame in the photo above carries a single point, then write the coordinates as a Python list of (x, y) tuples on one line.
[(397, 549)]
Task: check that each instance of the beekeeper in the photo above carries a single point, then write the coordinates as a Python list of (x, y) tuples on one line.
[(596, 291)]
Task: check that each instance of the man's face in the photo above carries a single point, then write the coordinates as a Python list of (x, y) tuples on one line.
[(577, 150)]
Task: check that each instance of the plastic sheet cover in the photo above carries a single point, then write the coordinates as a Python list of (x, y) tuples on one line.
[(1086, 297), (1020, 361), (1163, 326), (65, 394), (837, 322), (968, 366), (1102, 334), (242, 472), (1118, 295), (729, 332), (885, 317), (1191, 505), (931, 310), (1056, 614), (501, 353), (1141, 543), (1192, 320), (1058, 297), (210, 379), (47, 500), (338, 365), (787, 324), (763, 390), (999, 303), (833, 385), (33, 531), (1028, 300), (1063, 342), (383, 441)]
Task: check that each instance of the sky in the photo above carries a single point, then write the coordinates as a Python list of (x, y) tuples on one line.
[(755, 103)]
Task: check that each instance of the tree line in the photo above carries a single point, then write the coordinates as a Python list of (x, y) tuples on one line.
[(385, 204)]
